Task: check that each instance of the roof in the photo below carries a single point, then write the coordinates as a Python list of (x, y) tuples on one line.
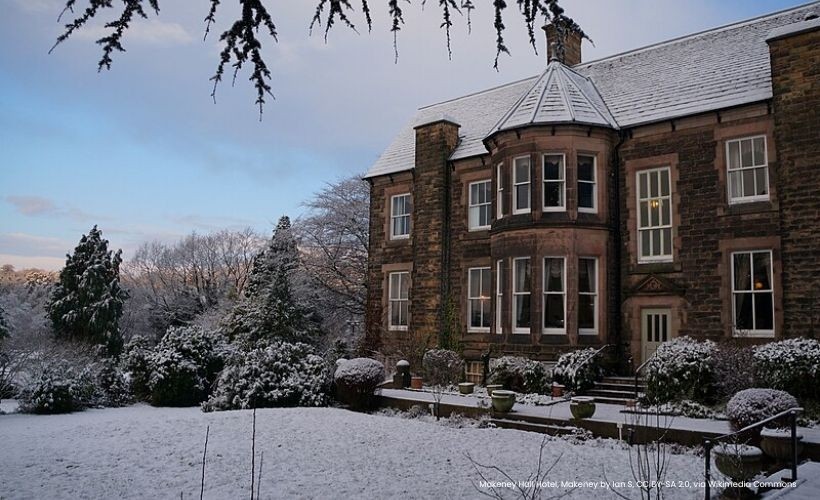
[(559, 95), (715, 69)]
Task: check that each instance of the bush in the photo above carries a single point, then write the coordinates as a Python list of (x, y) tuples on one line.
[(55, 389), (519, 374), (792, 365), (356, 380), (135, 362), (681, 369), (733, 368), (442, 367), (278, 375), (183, 366), (753, 405), (578, 370)]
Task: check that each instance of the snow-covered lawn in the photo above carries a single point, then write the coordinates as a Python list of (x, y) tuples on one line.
[(146, 452)]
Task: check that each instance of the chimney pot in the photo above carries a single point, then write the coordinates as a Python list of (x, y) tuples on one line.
[(563, 43)]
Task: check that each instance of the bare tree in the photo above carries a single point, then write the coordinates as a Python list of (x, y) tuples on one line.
[(241, 43)]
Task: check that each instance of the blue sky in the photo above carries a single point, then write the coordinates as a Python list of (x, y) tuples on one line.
[(143, 151)]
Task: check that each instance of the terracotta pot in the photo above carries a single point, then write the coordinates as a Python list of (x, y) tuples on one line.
[(416, 382), (466, 387), (558, 390), (582, 407), (777, 443), (493, 387), (739, 462), (503, 401)]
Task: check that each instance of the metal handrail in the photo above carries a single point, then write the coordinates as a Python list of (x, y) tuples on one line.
[(708, 444), (637, 374), (593, 356)]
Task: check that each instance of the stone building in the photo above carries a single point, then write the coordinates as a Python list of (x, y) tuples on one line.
[(667, 191)]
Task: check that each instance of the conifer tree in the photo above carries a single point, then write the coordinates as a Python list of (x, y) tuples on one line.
[(270, 308), (4, 326), (87, 301)]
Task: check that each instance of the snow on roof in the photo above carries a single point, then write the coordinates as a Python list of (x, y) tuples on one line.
[(715, 69)]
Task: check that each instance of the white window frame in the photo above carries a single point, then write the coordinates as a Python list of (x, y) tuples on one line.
[(499, 295), (499, 191), (470, 299), (660, 227), (562, 181), (594, 182), (595, 295), (528, 183), (753, 332), (741, 168), (477, 206), (563, 293), (390, 299), (393, 217), (514, 296)]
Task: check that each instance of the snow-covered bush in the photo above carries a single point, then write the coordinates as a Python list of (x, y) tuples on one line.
[(753, 405), (442, 367), (54, 390), (277, 375), (578, 370), (733, 367), (791, 365), (681, 369), (519, 374), (183, 366), (356, 380), (135, 362)]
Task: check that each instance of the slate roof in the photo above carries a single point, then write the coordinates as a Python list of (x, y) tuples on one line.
[(714, 69)]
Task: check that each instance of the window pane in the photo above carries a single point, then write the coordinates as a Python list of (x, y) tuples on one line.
[(762, 271), (485, 313), (586, 168), (473, 217), (746, 153), (474, 194), (522, 197), (734, 155), (553, 311), (763, 311), (645, 235), (475, 313), (405, 285), (485, 282), (748, 182), (743, 311), (642, 180), (586, 275), (554, 275), (522, 311), (522, 170), (395, 313), (553, 167), (653, 184), (734, 184), (553, 194), (654, 212), (761, 182), (586, 311), (758, 152), (404, 310), (743, 272), (522, 275), (586, 195), (664, 182), (666, 212), (394, 286), (667, 241), (656, 241), (475, 283), (484, 215), (644, 216)]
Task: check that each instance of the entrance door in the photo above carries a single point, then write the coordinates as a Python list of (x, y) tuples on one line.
[(656, 328)]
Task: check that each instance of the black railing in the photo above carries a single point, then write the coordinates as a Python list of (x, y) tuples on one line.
[(637, 376), (594, 354), (708, 444)]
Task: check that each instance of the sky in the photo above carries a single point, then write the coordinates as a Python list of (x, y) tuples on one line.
[(145, 153)]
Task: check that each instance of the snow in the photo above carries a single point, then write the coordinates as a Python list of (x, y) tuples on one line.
[(360, 371), (146, 452), (750, 406)]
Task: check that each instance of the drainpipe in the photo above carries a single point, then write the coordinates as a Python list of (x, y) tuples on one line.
[(616, 224)]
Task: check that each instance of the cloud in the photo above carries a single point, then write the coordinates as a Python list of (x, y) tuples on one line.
[(209, 223), (31, 245), (32, 262), (149, 32), (32, 205), (41, 5)]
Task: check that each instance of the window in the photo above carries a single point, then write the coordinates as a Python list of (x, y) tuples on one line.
[(480, 205), (753, 293), (400, 216), (499, 294), (748, 176), (588, 296), (654, 216), (521, 295), (478, 299), (521, 185), (399, 303), (587, 190), (499, 195), (554, 185), (554, 296)]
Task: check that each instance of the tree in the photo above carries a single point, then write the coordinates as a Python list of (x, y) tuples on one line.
[(271, 306), (87, 300), (333, 238), (4, 326), (241, 44)]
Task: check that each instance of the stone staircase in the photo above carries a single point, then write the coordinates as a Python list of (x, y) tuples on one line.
[(616, 390)]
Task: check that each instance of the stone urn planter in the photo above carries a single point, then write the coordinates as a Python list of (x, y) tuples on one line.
[(466, 387), (582, 407), (493, 387), (503, 401), (416, 382), (777, 443), (740, 462)]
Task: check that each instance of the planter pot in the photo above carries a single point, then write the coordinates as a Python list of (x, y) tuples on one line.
[(558, 390), (503, 401), (739, 462), (493, 387), (466, 387), (777, 443), (582, 407), (416, 382)]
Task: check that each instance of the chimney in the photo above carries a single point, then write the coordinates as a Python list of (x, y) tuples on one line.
[(568, 52)]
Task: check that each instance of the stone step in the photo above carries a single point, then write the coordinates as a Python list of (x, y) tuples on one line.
[(619, 387), (609, 393), (622, 379), (611, 400), (523, 425)]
